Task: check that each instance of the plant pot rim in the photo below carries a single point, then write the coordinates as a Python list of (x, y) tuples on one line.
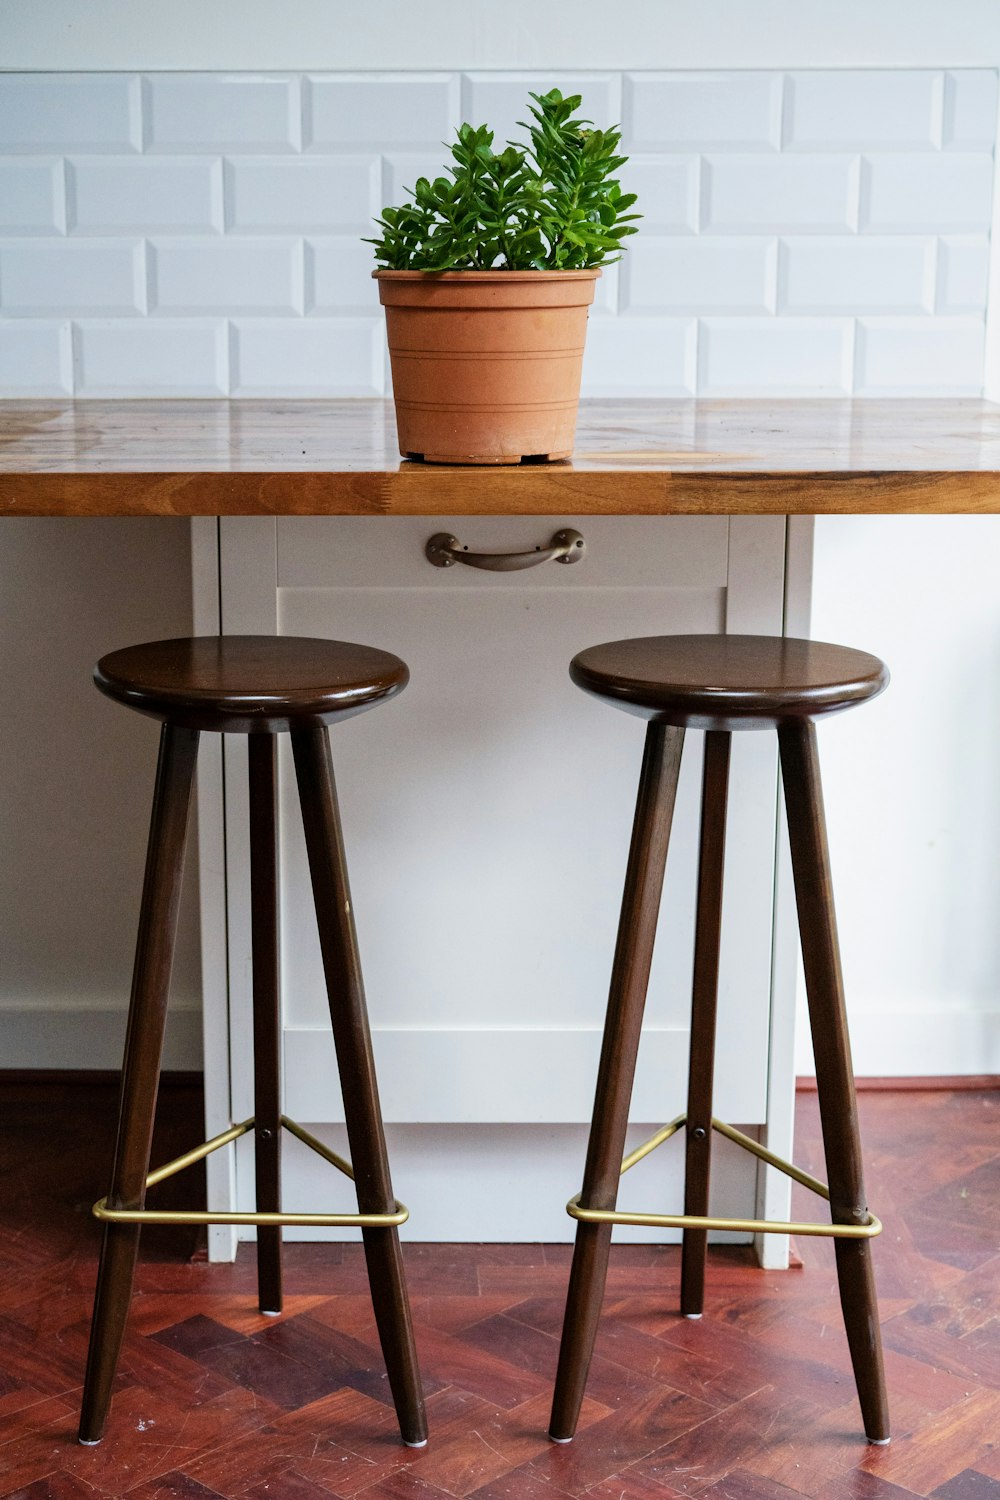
[(584, 273)]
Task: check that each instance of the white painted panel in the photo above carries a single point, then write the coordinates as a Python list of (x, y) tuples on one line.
[(444, 791), (247, 606), (511, 1181), (756, 604), (220, 1166), (488, 809), (487, 815), (515, 1075)]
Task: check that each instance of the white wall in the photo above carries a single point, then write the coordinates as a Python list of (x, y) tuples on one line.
[(866, 274), (806, 232), (77, 784), (123, 34), (913, 791)]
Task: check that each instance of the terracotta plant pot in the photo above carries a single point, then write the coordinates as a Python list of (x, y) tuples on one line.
[(486, 364)]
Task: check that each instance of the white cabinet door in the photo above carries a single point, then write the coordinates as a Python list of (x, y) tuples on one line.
[(487, 814)]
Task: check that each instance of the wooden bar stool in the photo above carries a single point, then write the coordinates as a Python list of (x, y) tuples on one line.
[(721, 684), (259, 686)]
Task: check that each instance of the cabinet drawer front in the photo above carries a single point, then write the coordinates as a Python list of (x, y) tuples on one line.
[(622, 552)]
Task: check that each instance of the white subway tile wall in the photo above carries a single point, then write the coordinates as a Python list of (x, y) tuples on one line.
[(868, 110), (226, 276), (143, 195), (905, 194), (894, 354), (970, 109), (780, 193), (36, 358), (40, 276), (963, 268), (31, 196), (182, 357), (192, 234), (328, 194), (823, 274), (351, 111)]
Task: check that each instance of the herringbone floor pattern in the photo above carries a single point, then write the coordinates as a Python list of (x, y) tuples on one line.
[(756, 1400)]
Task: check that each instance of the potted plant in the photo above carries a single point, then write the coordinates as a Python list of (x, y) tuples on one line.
[(486, 277)]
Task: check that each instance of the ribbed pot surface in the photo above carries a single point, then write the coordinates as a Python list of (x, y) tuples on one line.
[(486, 364)]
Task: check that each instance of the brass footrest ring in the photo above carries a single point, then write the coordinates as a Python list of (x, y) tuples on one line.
[(196, 1216), (866, 1231)]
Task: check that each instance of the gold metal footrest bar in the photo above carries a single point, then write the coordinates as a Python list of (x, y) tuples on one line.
[(195, 1216), (864, 1231)]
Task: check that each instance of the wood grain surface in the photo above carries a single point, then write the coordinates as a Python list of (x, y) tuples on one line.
[(633, 457)]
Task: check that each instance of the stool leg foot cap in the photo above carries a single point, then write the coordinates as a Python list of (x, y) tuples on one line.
[(693, 1316), (88, 1442), (421, 1444), (554, 1439), (880, 1442), (271, 1312)]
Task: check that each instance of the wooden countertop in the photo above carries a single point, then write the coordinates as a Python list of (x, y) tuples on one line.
[(633, 457)]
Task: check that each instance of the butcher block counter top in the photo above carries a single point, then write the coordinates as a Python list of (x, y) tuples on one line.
[(633, 457)]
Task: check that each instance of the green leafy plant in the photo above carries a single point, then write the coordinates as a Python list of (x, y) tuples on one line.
[(554, 204)]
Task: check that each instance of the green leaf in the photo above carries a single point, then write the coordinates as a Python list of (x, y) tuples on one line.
[(552, 201)]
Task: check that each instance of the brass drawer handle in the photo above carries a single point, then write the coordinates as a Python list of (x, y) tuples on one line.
[(444, 550)]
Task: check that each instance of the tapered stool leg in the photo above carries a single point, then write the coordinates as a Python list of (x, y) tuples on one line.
[(262, 750), (701, 1068), (626, 1001), (834, 1072), (141, 1068), (349, 1015)]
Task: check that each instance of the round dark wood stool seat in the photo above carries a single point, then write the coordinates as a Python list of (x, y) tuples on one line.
[(239, 684), (728, 681)]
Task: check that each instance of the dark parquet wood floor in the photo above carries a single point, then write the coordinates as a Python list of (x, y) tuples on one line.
[(755, 1402)]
